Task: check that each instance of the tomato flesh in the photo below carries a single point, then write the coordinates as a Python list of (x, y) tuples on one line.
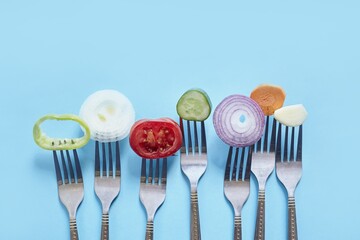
[(157, 138)]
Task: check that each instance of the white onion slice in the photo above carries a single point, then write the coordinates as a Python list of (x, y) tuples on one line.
[(292, 116), (109, 115), (239, 121)]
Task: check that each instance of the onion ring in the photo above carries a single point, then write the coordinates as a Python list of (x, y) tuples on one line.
[(109, 115), (239, 121)]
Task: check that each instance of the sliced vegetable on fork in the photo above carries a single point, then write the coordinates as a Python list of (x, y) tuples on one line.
[(292, 116), (68, 170), (155, 138), (193, 108), (110, 116), (194, 105), (239, 122), (270, 98), (52, 143), (289, 157)]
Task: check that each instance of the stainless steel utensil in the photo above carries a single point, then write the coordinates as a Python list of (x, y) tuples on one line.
[(70, 186), (193, 160), (107, 181), (289, 170), (237, 183), (152, 190), (262, 165)]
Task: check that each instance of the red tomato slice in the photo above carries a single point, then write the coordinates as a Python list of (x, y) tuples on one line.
[(156, 138)]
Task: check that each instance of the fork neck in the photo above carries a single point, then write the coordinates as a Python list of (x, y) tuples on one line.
[(193, 187), (150, 217)]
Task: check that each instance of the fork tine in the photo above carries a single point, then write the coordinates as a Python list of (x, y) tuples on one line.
[(110, 160), (258, 145), (66, 176), (228, 165), (286, 144), (77, 166), (242, 163), (157, 171), (103, 160), (71, 170), (266, 134), (183, 146), (196, 137), (143, 171), (273, 136), (189, 137), (299, 145), (278, 145), (164, 171), (248, 163), (57, 169), (97, 159), (151, 171), (118, 164), (203, 138), (235, 172), (292, 151)]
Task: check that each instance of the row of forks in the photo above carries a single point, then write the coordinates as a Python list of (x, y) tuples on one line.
[(193, 161), (71, 186), (258, 159)]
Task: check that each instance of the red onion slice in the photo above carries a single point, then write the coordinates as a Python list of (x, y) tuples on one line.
[(239, 121)]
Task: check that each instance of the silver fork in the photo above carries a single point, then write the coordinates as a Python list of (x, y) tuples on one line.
[(193, 165), (107, 181), (262, 165), (152, 190), (289, 170), (70, 186), (237, 183)]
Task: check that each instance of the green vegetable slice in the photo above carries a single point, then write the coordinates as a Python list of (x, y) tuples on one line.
[(194, 105), (50, 143)]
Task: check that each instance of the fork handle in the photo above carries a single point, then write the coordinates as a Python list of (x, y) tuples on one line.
[(195, 218), (237, 228), (292, 232), (149, 230), (260, 217), (105, 226), (73, 229)]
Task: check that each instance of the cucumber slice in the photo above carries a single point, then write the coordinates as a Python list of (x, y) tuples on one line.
[(50, 143), (194, 105), (292, 116), (109, 115)]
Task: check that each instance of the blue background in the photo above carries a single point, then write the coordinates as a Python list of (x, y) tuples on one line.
[(53, 54)]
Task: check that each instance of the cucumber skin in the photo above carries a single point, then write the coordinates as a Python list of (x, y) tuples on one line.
[(183, 97), (45, 142)]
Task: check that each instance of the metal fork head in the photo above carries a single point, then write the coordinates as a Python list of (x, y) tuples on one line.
[(237, 177), (192, 132), (262, 146), (283, 153), (193, 158), (263, 158), (104, 166), (153, 185), (289, 159), (107, 176), (70, 181)]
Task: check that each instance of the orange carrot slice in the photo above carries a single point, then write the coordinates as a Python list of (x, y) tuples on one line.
[(269, 97)]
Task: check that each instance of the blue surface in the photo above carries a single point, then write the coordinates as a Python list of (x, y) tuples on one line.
[(53, 54)]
